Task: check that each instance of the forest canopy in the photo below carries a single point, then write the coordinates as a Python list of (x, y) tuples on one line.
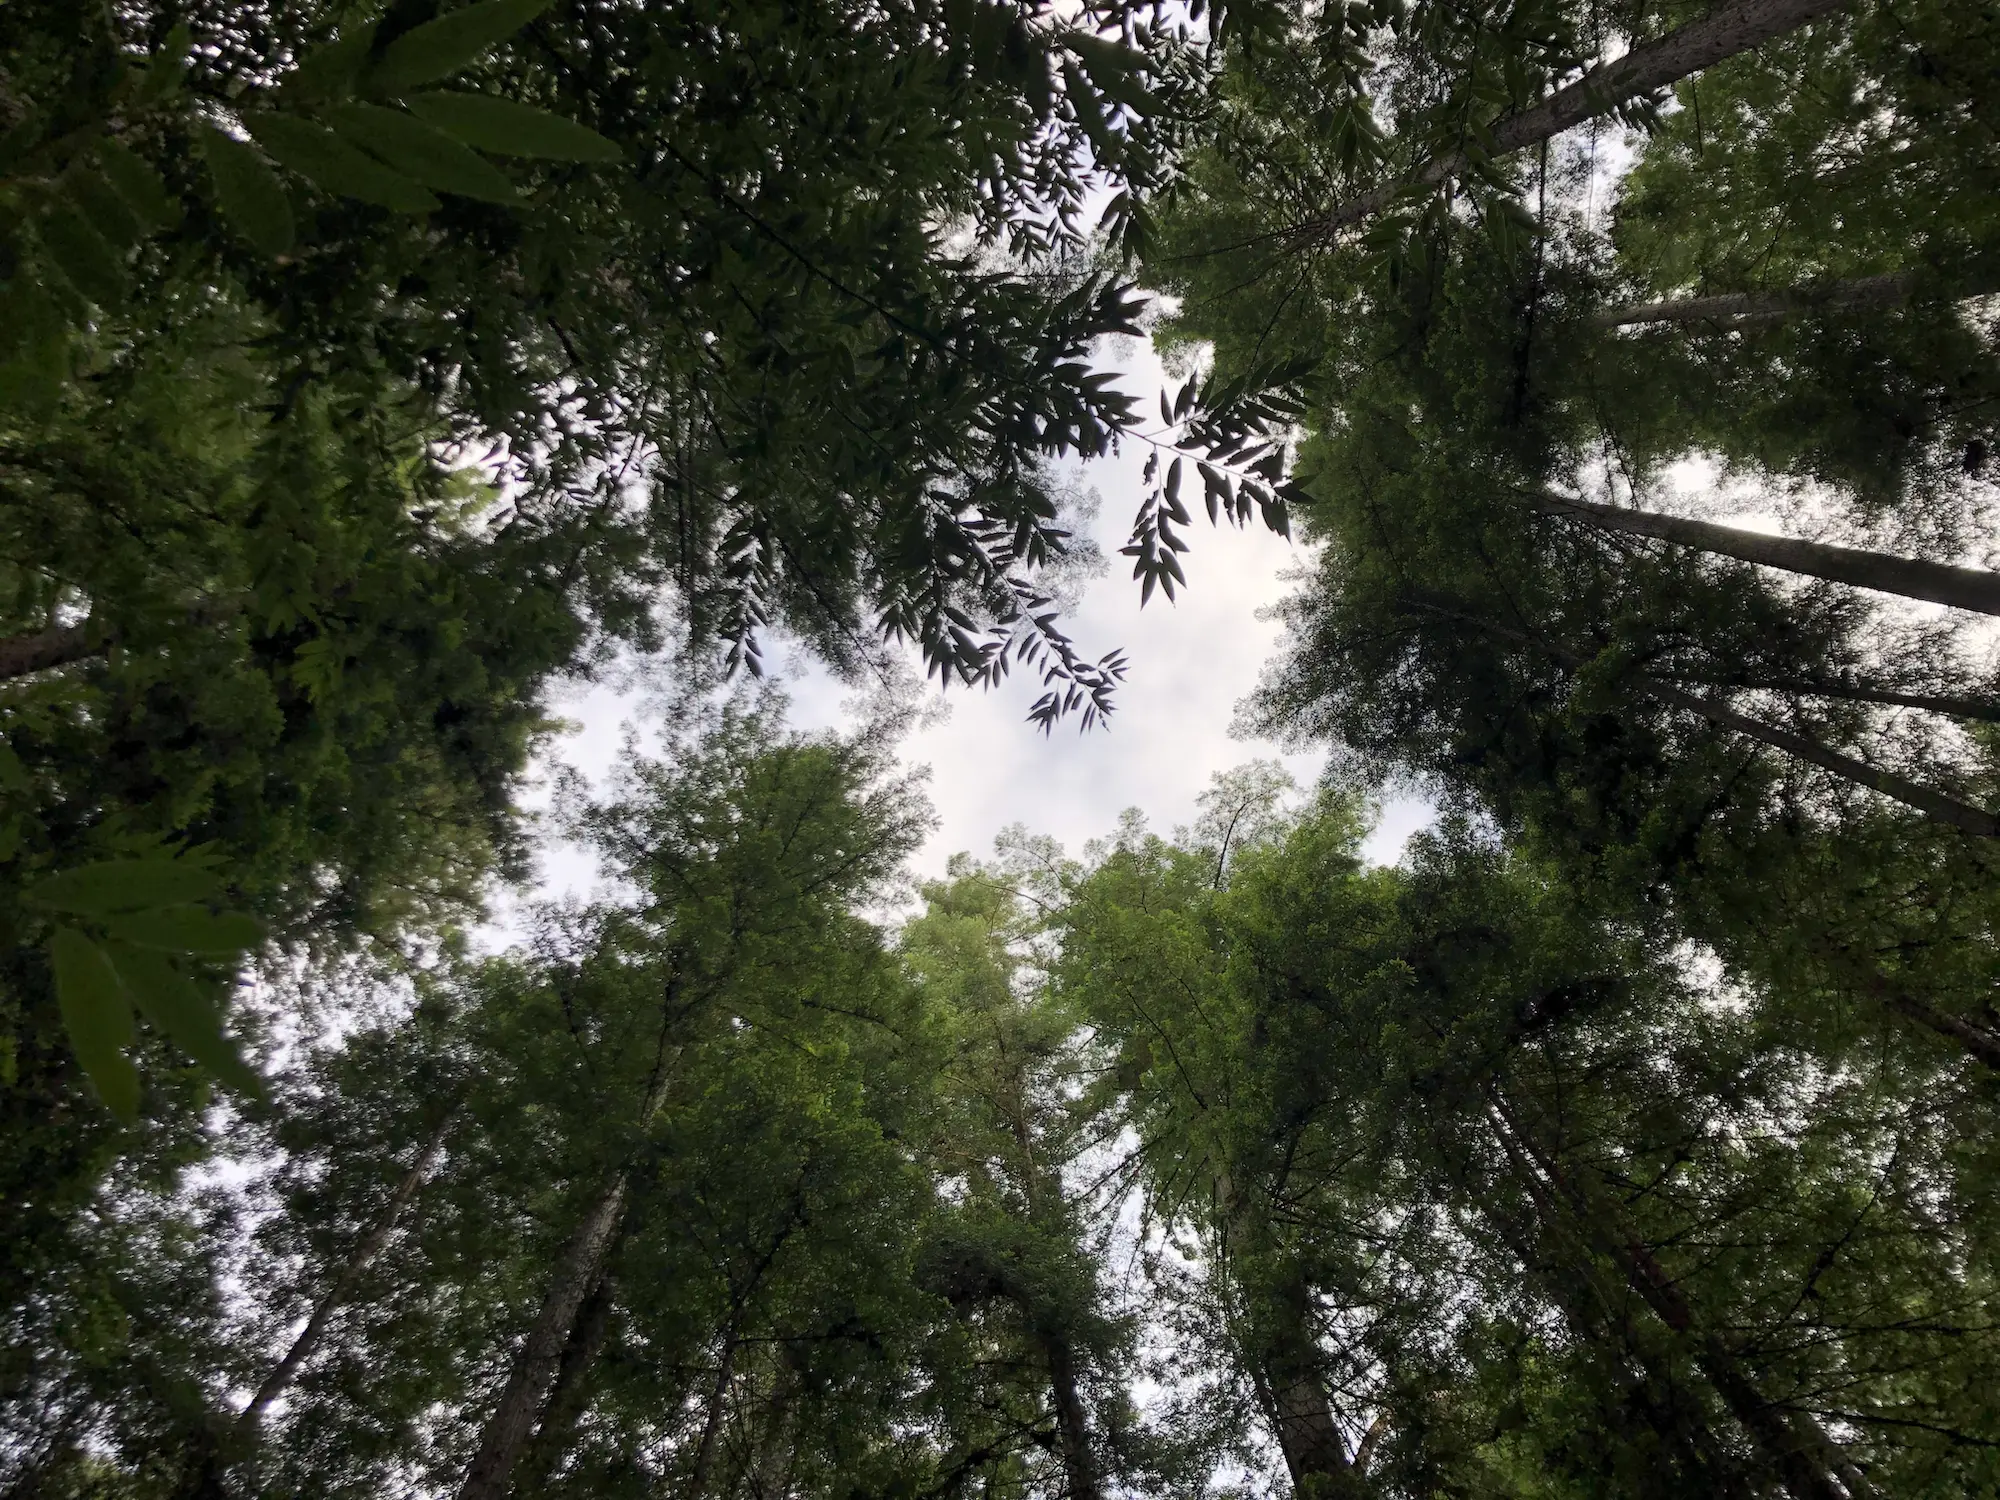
[(372, 375)]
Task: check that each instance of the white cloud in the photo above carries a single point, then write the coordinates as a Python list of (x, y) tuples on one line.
[(1191, 661)]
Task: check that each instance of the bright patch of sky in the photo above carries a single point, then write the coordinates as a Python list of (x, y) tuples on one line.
[(1192, 661)]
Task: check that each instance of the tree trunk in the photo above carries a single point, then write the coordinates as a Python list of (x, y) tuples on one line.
[(1648, 66), (578, 1273), (1805, 1459), (1939, 583), (1731, 307), (1947, 810), (1976, 1040), (711, 1427), (363, 1256), (1072, 1422), (57, 646), (1977, 709), (1289, 1371), (1573, 1283), (565, 1401), (535, 1366)]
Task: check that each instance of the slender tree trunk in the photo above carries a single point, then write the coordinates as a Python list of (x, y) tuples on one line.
[(711, 1427), (1939, 583), (535, 1366), (57, 646), (565, 1401), (771, 1472), (1976, 1040), (1072, 1422), (1595, 1317), (1806, 1460), (1648, 66), (309, 1338), (1730, 307), (1946, 810), (1977, 709), (1934, 804), (578, 1273)]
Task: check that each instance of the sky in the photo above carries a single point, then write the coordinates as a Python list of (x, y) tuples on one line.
[(1192, 660)]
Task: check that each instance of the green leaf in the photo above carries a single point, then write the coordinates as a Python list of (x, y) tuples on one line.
[(142, 188), (97, 1013), (251, 197), (509, 129), (169, 65), (176, 1004), (440, 48), (420, 152), (330, 71), (189, 929), (13, 775), (82, 255), (123, 885), (322, 157), (101, 206)]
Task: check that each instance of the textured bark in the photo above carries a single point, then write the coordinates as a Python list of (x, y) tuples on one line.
[(578, 1273), (57, 646), (309, 1338), (1976, 1040), (711, 1427), (1934, 804), (535, 1366), (1072, 1422), (1805, 1459), (1939, 583), (565, 1401), (1648, 66), (1301, 1409), (1981, 710), (1735, 307)]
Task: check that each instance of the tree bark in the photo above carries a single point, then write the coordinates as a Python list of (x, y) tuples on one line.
[(1072, 1422), (1731, 307), (1806, 1460), (57, 646), (565, 1401), (711, 1427), (1301, 1408), (1981, 710), (1976, 1040), (309, 1338), (1934, 804), (1911, 578), (1648, 66), (578, 1273), (535, 1366)]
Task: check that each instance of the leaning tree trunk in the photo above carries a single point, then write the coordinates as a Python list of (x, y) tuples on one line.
[(711, 1427), (578, 1274), (566, 1398), (363, 1256), (1648, 66), (1933, 804), (57, 646), (1288, 1370), (1809, 1464), (1980, 710), (1911, 578), (1596, 1317), (1738, 307), (535, 1366)]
